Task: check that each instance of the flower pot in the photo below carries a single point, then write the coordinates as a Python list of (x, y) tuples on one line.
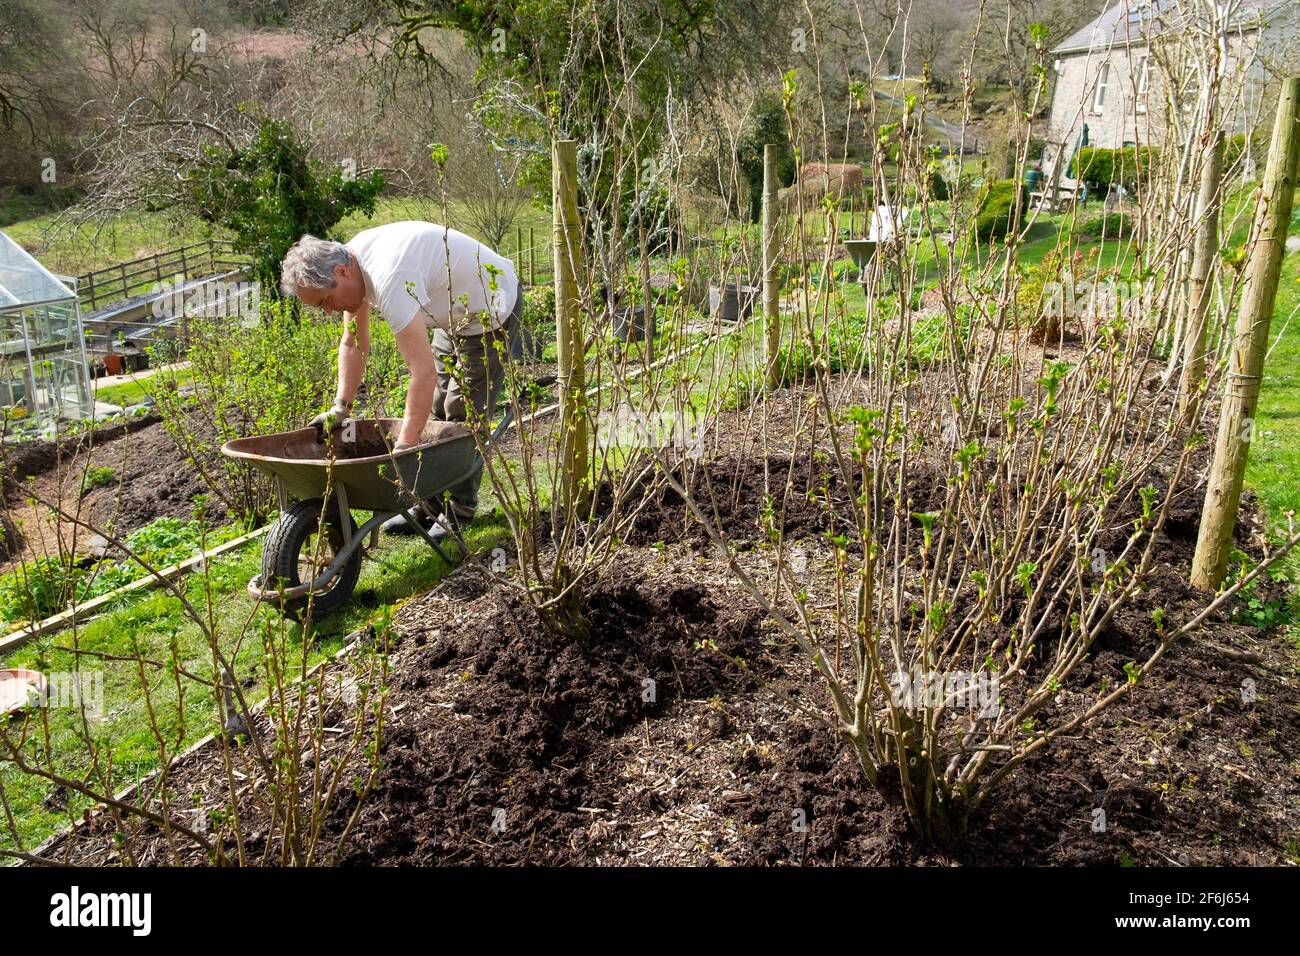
[(113, 363), (136, 360), (20, 689), (631, 325), (731, 301)]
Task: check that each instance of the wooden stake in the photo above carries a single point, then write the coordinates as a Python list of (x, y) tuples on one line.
[(1200, 287), (647, 294), (771, 286), (1246, 364), (569, 336)]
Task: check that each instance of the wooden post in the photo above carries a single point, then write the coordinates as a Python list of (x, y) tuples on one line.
[(519, 246), (771, 286), (1200, 286), (648, 341), (569, 336), (532, 258), (1250, 343)]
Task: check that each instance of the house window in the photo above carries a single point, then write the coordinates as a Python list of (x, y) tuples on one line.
[(1143, 75), (1099, 97)]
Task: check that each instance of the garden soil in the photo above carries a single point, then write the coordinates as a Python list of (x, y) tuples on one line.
[(151, 478)]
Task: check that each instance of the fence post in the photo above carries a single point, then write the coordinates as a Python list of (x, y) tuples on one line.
[(771, 285), (1250, 344), (569, 335), (532, 258), (647, 295), (1206, 250)]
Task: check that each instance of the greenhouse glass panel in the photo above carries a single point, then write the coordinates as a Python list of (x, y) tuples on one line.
[(44, 376)]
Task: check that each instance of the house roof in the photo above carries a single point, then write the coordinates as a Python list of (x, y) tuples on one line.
[(1125, 22), (24, 281)]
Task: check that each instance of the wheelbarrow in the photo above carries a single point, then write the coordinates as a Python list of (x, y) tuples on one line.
[(313, 551)]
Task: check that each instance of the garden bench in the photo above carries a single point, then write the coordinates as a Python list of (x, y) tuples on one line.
[(1065, 193)]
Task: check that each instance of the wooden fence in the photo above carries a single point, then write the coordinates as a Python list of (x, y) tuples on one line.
[(137, 276)]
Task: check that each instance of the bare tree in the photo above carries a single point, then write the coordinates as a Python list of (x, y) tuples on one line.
[(487, 182)]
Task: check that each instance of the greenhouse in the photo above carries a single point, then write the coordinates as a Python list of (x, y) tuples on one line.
[(43, 370)]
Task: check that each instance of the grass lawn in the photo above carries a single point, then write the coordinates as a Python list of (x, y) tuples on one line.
[(17, 205), (1275, 458), (140, 388), (1273, 469), (73, 251)]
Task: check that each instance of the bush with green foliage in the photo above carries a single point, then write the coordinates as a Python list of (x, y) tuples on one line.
[(539, 306), (940, 191), (1234, 147), (1034, 294), (996, 206), (37, 588), (1103, 169), (1110, 225), (97, 477), (270, 192), (766, 124)]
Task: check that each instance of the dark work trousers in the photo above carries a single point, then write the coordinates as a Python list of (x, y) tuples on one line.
[(482, 360)]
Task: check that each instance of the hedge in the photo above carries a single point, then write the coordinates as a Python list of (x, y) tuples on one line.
[(996, 206), (1105, 168)]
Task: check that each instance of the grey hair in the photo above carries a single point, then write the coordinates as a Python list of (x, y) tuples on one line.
[(310, 264)]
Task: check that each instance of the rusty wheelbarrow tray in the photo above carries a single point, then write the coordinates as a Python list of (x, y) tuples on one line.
[(357, 470)]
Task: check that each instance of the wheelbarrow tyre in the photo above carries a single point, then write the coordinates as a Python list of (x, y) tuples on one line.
[(284, 544)]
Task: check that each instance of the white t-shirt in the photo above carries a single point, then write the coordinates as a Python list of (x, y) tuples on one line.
[(407, 274)]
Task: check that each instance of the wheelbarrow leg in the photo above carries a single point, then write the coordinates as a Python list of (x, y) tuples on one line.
[(341, 494), (412, 519)]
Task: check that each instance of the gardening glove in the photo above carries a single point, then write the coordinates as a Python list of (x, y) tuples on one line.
[(332, 419)]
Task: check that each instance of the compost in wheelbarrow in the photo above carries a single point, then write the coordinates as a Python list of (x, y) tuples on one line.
[(372, 477), (312, 554)]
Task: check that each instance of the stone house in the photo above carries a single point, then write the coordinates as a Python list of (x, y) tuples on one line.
[(1134, 74)]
